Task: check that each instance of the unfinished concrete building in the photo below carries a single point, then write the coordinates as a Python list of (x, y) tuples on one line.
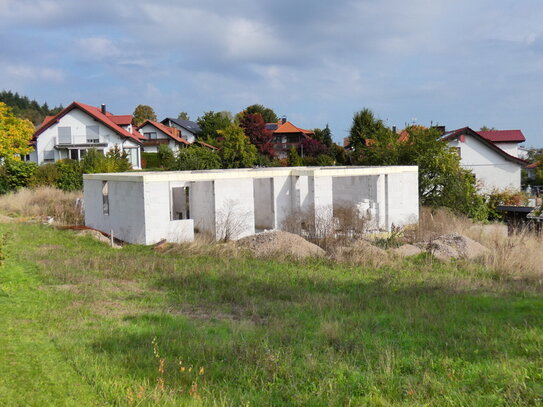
[(147, 207)]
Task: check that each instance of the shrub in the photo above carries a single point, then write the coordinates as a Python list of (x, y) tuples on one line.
[(166, 158), (503, 197), (150, 160), (197, 158), (45, 175), (69, 175), (16, 174)]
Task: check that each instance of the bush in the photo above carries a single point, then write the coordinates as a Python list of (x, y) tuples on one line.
[(197, 158), (45, 175), (166, 157), (114, 161), (150, 160), (69, 175), (503, 197), (16, 174)]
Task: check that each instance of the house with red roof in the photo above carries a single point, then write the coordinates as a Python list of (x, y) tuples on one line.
[(286, 135), (80, 127), (493, 156), (156, 133)]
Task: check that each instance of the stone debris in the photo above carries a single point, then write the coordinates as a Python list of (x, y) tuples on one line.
[(279, 244), (453, 246)]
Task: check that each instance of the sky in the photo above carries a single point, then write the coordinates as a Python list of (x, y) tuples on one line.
[(450, 62)]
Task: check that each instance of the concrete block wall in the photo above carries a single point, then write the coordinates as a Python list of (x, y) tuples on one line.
[(234, 208), (126, 209)]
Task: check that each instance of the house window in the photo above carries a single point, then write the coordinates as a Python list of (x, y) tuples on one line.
[(74, 155), (105, 197), (150, 135), (93, 134), (25, 157), (64, 135)]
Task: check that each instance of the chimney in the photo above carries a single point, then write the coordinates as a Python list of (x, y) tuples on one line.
[(394, 129), (103, 109), (283, 119)]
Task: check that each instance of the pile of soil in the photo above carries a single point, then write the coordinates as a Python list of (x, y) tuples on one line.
[(451, 246), (281, 244)]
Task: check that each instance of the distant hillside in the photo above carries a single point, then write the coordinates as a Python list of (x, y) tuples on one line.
[(29, 109)]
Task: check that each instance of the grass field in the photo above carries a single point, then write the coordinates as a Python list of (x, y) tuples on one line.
[(82, 324)]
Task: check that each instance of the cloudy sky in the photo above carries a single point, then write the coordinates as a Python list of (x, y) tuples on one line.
[(452, 62)]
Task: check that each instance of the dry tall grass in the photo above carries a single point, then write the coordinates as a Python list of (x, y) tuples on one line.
[(516, 256), (43, 202)]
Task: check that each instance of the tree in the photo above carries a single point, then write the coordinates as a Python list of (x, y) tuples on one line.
[(237, 150), (210, 123), (183, 116), (293, 158), (486, 128), (323, 135), (312, 148), (254, 127), (267, 114), (166, 158), (15, 134), (365, 127), (442, 182), (142, 113), (25, 108)]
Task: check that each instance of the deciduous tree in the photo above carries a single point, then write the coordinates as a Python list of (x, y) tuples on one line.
[(237, 150), (210, 123), (254, 127), (183, 116), (267, 114), (142, 113), (15, 134)]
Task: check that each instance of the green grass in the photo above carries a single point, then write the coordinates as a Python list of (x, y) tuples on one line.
[(77, 322)]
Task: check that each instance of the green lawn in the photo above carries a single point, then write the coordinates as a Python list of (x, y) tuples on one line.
[(78, 321)]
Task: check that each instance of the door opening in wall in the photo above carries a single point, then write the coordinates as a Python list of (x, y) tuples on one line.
[(180, 203)]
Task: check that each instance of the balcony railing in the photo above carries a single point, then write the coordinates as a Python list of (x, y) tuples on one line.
[(78, 140)]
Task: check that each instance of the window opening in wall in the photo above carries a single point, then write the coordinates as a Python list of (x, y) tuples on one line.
[(180, 203), (150, 135), (105, 197)]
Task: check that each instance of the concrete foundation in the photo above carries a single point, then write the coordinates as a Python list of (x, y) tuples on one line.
[(146, 207)]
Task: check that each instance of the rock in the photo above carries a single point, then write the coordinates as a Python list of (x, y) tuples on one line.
[(407, 250), (279, 244), (450, 246)]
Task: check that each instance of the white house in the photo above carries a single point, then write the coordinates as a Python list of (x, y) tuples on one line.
[(189, 130), (493, 156), (80, 127), (146, 207), (158, 133)]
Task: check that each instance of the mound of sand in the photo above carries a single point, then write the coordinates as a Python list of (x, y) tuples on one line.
[(280, 244), (450, 246)]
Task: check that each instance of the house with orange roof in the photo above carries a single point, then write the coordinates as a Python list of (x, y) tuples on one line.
[(286, 135), (80, 127)]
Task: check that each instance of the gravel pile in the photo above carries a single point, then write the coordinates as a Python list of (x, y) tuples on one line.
[(280, 244), (453, 246)]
